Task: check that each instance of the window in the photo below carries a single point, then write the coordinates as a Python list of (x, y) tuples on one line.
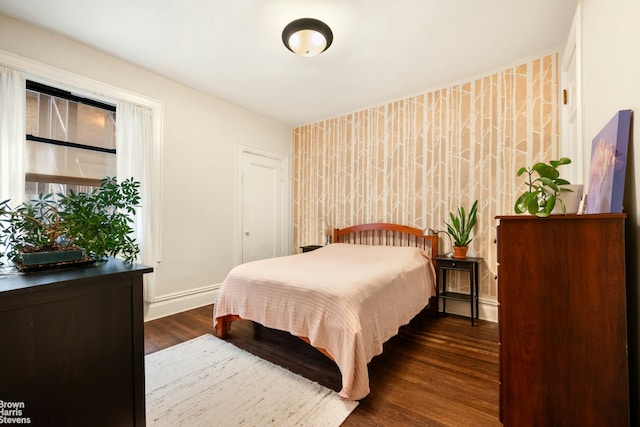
[(139, 148), (71, 141)]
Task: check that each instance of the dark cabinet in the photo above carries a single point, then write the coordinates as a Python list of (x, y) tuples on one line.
[(562, 320), (73, 345)]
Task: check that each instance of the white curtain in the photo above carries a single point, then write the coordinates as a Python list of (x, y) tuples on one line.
[(135, 158), (12, 134)]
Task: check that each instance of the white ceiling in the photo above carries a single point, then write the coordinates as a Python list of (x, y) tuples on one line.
[(382, 50)]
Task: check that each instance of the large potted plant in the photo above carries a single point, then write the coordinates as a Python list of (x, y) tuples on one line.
[(544, 187), (58, 229), (460, 227)]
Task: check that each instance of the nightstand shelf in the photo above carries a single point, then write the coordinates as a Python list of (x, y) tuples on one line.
[(457, 296)]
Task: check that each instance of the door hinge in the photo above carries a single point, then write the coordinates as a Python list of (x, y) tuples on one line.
[(565, 96)]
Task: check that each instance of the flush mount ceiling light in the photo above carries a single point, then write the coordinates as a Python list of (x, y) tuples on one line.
[(307, 37)]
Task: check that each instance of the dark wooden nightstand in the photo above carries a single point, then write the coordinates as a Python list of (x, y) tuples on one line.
[(310, 248), (471, 266)]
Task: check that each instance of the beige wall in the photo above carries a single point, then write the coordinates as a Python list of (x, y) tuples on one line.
[(611, 70), (414, 160)]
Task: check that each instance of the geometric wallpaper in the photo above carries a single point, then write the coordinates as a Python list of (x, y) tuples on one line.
[(414, 160)]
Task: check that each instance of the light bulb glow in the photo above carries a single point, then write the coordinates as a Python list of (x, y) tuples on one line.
[(307, 43)]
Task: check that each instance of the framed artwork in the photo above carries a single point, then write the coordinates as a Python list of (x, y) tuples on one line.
[(608, 165)]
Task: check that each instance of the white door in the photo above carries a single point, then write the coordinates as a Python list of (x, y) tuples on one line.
[(263, 208)]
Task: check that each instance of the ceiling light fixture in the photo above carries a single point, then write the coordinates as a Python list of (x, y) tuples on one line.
[(307, 37)]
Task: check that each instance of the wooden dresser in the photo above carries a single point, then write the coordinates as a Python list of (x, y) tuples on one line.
[(72, 346), (563, 321)]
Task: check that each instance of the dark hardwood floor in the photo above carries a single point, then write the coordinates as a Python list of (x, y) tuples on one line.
[(435, 372)]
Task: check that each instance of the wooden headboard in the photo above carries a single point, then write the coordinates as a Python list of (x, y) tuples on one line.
[(384, 234)]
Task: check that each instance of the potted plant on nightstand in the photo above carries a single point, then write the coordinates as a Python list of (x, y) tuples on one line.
[(74, 229), (460, 227)]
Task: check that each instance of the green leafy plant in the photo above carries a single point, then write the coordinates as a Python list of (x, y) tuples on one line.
[(542, 190), (461, 225), (100, 222)]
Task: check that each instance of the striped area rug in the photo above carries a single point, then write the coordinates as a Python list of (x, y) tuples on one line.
[(209, 382)]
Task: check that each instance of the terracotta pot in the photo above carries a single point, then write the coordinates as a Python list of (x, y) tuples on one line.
[(460, 252)]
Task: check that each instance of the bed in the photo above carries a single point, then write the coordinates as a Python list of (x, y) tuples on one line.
[(346, 299)]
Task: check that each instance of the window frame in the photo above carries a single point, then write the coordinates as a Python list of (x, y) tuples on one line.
[(69, 96)]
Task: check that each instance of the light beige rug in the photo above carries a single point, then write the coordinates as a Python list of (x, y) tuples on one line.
[(210, 382)]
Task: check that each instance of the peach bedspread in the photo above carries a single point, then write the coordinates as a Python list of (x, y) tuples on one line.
[(347, 299)]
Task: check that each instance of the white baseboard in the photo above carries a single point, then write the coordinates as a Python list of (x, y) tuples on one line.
[(488, 309), (166, 305)]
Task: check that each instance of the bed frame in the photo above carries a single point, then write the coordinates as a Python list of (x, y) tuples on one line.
[(384, 234), (378, 234)]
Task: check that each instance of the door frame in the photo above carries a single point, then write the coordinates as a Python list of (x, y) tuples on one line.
[(573, 48), (285, 188)]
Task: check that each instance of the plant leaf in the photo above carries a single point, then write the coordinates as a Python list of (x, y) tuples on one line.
[(545, 170)]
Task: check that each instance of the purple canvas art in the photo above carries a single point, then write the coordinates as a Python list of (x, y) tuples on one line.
[(608, 165)]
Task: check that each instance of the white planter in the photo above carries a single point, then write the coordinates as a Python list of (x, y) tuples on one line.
[(571, 199)]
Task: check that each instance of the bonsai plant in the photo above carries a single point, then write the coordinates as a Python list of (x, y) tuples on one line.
[(98, 223), (542, 191), (35, 228), (459, 228)]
